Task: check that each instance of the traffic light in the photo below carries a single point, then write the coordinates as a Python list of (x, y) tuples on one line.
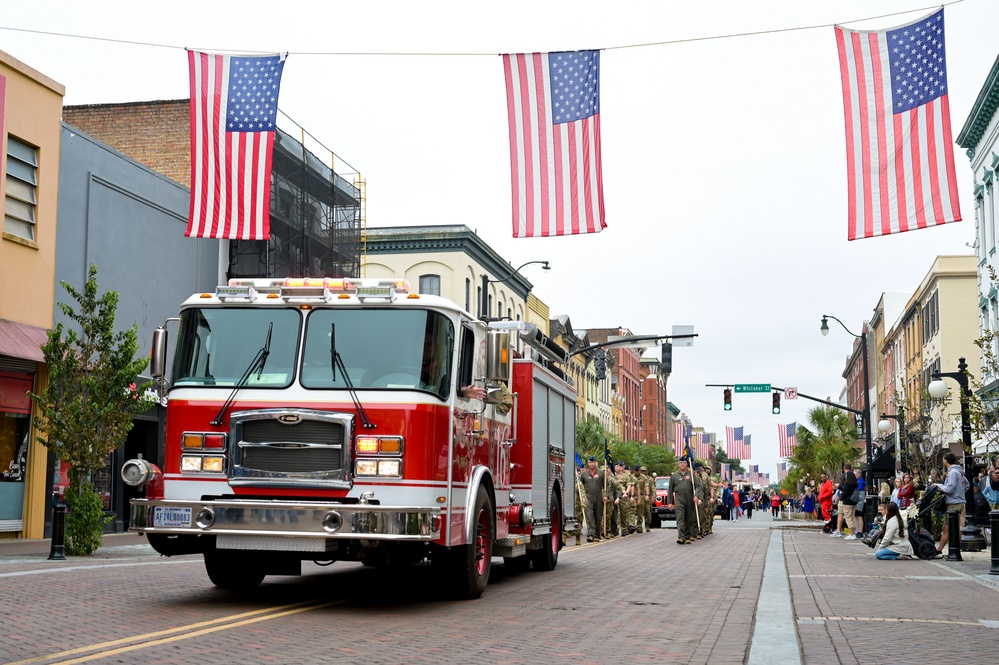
[(728, 399), (776, 403), (667, 358), (600, 364)]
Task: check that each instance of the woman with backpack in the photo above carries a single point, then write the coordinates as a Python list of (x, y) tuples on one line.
[(895, 541)]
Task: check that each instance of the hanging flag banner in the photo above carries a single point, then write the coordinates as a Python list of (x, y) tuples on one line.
[(899, 151), (553, 106), (233, 115)]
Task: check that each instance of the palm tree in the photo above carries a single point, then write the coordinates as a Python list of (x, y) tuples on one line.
[(835, 439)]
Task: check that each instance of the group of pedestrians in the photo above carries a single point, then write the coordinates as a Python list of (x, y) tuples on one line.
[(615, 501)]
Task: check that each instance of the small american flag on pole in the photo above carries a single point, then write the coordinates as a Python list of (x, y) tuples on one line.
[(233, 114), (553, 105), (781, 472), (899, 151), (788, 435)]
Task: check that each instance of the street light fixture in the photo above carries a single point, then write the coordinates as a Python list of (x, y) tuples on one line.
[(484, 304), (867, 392), (544, 266)]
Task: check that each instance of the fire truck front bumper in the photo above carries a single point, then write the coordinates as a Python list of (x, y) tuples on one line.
[(286, 518)]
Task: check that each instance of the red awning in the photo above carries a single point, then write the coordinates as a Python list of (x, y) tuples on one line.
[(19, 340)]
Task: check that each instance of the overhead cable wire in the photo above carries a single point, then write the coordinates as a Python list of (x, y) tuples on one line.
[(685, 40)]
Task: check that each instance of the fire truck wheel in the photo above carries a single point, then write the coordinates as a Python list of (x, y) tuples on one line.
[(230, 572), (546, 557), (470, 564)]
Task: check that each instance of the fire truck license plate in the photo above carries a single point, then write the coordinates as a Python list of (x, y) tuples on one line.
[(172, 517)]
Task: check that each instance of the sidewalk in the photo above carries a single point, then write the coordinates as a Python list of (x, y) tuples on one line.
[(850, 607), (42, 547)]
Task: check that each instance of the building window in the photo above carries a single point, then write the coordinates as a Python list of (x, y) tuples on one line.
[(21, 189), (468, 295), (430, 285)]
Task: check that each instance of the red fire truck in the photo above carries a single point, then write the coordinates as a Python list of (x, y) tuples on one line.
[(325, 420)]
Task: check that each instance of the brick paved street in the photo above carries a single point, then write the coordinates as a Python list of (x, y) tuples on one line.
[(642, 595)]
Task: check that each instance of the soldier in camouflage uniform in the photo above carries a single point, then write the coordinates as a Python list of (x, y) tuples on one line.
[(580, 493), (612, 492), (704, 493), (593, 487), (626, 511), (709, 510), (646, 496)]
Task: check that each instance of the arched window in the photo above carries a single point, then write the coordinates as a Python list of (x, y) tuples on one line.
[(430, 285)]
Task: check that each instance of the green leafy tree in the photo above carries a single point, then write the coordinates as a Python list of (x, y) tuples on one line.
[(831, 442), (88, 406), (660, 460)]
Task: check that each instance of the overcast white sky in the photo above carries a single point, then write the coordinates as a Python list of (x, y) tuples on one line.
[(724, 159)]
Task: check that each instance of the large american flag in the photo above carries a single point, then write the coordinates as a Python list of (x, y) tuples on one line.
[(553, 105), (233, 113), (734, 443), (678, 438), (899, 152), (788, 435)]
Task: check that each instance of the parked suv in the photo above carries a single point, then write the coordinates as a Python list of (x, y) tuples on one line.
[(659, 510)]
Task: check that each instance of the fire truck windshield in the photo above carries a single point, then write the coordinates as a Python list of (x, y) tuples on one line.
[(394, 349), (215, 346)]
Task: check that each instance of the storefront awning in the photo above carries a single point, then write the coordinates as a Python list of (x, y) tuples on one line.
[(19, 340)]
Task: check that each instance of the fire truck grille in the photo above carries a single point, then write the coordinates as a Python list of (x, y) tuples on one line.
[(284, 455), (292, 460)]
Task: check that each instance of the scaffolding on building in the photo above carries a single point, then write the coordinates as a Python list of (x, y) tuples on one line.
[(316, 216)]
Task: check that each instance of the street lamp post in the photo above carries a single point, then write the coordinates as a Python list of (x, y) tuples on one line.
[(970, 534), (884, 427), (867, 393), (484, 305)]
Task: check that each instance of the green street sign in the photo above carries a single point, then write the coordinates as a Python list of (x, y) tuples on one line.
[(752, 387)]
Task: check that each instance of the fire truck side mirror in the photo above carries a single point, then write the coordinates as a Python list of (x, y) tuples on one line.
[(497, 356), (157, 354)]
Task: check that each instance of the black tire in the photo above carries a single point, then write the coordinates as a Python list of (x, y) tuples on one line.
[(232, 572), (546, 557), (471, 563), (656, 521)]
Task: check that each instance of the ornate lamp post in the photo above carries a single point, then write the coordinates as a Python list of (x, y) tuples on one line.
[(970, 534), (867, 393)]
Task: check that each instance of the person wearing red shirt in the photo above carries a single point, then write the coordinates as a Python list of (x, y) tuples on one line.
[(906, 493), (825, 496)]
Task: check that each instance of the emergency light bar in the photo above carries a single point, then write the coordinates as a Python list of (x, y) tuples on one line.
[(324, 289)]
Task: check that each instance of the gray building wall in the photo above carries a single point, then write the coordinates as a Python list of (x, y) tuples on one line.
[(130, 222)]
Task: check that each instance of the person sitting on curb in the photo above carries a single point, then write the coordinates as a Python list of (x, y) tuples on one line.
[(895, 541)]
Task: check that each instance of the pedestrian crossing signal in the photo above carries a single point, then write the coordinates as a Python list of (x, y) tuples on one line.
[(728, 399), (776, 403)]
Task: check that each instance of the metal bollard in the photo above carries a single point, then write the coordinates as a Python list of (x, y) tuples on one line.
[(953, 536), (58, 549), (994, 525)]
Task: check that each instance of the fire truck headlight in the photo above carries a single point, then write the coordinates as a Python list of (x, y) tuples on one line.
[(212, 464), (390, 467), (366, 467), (190, 463)]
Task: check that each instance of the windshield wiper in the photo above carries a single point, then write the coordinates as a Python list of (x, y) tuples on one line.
[(256, 364), (335, 362)]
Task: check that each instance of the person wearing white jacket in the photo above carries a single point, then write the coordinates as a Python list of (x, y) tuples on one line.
[(895, 541)]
